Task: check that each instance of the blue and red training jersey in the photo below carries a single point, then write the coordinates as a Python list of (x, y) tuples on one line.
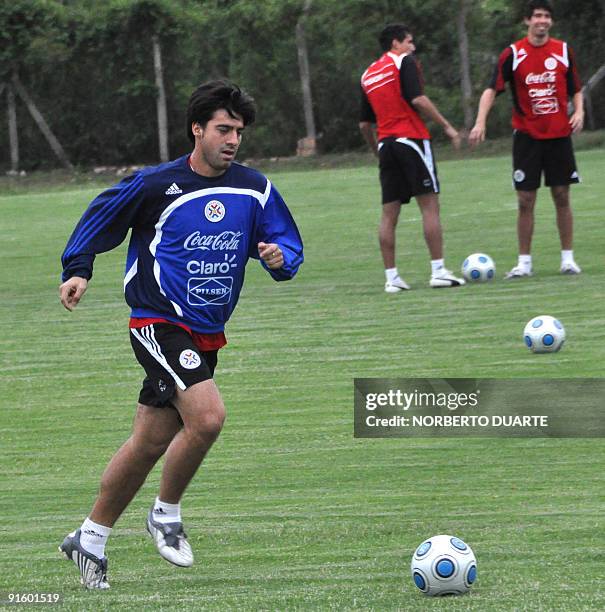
[(191, 239)]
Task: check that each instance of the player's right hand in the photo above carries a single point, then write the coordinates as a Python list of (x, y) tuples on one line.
[(476, 136), (71, 291)]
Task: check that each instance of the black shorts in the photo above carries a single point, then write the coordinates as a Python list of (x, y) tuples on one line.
[(553, 156), (170, 359), (407, 168)]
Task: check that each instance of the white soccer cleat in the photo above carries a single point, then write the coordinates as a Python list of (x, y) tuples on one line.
[(396, 285), (445, 278), (171, 541), (518, 272), (93, 571), (570, 267)]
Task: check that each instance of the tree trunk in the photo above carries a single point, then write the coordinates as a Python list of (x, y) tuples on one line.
[(13, 135), (161, 99), (55, 145), (587, 91), (306, 146), (465, 63)]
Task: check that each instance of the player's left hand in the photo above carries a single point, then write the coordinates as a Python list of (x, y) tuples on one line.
[(454, 135), (576, 121), (271, 254)]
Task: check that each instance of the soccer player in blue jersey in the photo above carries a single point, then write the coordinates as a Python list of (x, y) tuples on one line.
[(195, 222)]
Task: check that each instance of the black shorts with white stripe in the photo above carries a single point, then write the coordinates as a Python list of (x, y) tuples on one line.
[(407, 169), (171, 360)]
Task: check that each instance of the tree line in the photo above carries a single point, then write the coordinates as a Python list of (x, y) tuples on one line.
[(87, 82)]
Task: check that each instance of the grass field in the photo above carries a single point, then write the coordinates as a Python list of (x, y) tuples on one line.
[(289, 511)]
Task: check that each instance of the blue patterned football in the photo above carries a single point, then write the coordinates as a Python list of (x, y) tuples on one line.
[(544, 334), (478, 268), (444, 565)]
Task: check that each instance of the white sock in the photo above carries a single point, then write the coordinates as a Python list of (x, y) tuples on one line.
[(525, 262), (391, 274), (566, 257), (436, 266), (164, 512), (93, 537)]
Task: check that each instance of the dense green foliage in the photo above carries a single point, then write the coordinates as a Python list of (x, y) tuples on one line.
[(290, 512), (89, 66)]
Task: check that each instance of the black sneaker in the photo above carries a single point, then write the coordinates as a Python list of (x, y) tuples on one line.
[(93, 571), (171, 541)]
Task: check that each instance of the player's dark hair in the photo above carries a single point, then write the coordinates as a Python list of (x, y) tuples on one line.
[(533, 5), (215, 95), (393, 31)]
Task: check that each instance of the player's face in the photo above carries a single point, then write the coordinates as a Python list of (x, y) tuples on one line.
[(539, 24), (406, 45), (217, 143)]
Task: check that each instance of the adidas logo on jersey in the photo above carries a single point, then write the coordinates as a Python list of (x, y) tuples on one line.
[(174, 189)]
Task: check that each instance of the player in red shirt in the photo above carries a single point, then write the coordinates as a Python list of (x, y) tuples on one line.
[(542, 76), (391, 98)]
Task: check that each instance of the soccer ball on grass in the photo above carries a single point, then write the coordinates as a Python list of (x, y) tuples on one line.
[(544, 334), (478, 267), (444, 565)]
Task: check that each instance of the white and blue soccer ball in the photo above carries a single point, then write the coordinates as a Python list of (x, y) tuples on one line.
[(544, 334), (444, 565), (478, 268)]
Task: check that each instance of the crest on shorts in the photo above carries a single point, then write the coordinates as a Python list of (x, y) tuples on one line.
[(518, 175), (214, 211), (189, 359)]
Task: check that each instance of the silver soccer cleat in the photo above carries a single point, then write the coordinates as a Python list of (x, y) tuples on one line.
[(93, 571), (171, 541)]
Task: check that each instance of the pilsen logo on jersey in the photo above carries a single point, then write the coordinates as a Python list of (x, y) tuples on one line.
[(214, 211), (545, 106), (225, 241)]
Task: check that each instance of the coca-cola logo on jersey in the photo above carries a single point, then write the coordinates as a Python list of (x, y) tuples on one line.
[(225, 241), (546, 77)]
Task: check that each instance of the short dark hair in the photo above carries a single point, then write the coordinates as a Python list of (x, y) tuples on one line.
[(532, 5), (215, 95), (393, 31)]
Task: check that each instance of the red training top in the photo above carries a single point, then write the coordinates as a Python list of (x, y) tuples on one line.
[(541, 80), (384, 85)]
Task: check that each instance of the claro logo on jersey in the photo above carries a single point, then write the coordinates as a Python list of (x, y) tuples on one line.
[(225, 241)]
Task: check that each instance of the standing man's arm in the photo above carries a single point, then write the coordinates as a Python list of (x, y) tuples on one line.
[(502, 74), (368, 131), (574, 89), (477, 135), (412, 90), (425, 107), (576, 121), (367, 123)]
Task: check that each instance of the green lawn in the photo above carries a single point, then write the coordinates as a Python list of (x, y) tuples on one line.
[(290, 511)]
